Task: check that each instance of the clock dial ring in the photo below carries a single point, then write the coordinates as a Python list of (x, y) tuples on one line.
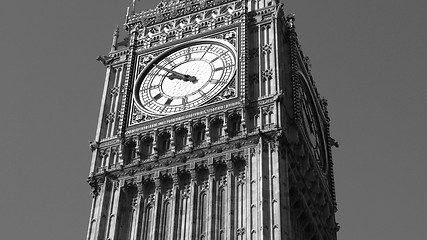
[(185, 76)]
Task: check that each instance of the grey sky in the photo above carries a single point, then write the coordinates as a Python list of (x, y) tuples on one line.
[(368, 60)]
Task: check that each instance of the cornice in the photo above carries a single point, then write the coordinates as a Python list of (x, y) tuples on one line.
[(178, 118), (196, 155)]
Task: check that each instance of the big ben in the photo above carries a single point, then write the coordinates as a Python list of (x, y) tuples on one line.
[(211, 128)]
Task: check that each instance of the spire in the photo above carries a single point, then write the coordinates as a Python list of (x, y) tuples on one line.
[(254, 5)]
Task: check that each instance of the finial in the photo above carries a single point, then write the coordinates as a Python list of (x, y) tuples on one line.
[(115, 38), (133, 6), (291, 19), (116, 32)]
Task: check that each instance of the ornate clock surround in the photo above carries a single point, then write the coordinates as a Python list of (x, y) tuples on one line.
[(150, 41)]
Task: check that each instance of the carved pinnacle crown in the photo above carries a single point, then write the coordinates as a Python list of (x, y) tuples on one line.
[(175, 8)]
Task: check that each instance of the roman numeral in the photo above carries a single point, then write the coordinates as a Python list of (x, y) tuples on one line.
[(184, 100), (187, 54), (206, 51), (168, 61), (204, 95), (168, 102), (158, 96), (150, 88), (225, 67), (220, 55)]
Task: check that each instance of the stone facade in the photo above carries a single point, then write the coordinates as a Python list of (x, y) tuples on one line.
[(252, 163)]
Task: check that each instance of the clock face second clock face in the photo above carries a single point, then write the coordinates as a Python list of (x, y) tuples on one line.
[(186, 77)]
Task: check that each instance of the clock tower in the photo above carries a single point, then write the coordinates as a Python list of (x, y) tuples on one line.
[(211, 128)]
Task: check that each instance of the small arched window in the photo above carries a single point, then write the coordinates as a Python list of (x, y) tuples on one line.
[(163, 143), (146, 147), (198, 134), (129, 152), (233, 126), (216, 129), (180, 138)]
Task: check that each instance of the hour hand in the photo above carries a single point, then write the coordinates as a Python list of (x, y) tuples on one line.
[(176, 75), (183, 77)]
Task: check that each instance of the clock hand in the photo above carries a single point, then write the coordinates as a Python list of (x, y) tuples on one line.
[(177, 75), (173, 73)]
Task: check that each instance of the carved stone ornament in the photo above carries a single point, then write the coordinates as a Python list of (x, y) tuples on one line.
[(144, 61), (198, 16), (115, 90), (266, 49), (267, 74), (110, 117), (229, 37), (95, 184), (229, 93), (223, 181), (291, 19), (93, 145), (138, 116), (241, 178), (106, 60)]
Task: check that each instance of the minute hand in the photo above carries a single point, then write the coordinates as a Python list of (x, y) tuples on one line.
[(177, 75)]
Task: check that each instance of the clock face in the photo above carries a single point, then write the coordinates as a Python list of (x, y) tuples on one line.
[(186, 76), (314, 131)]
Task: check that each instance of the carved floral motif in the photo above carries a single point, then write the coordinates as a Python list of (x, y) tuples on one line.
[(138, 116)]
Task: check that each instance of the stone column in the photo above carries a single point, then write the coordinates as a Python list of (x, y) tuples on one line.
[(172, 141), (155, 139), (157, 206), (211, 201), (207, 130), (175, 204), (193, 201), (102, 208), (230, 231), (138, 148), (264, 189), (224, 126), (115, 206), (98, 192), (241, 198), (189, 135), (243, 121), (136, 224), (91, 227)]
